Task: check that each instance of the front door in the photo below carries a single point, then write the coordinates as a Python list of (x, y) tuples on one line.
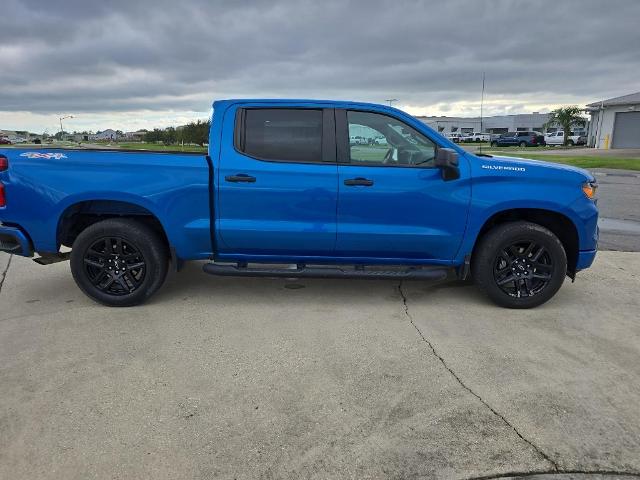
[(393, 202), (276, 179)]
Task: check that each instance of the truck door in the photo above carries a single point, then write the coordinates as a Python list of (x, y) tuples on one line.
[(393, 202), (277, 182)]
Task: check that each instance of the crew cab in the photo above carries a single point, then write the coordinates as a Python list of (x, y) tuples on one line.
[(476, 137), (283, 192), (453, 136), (520, 139), (557, 138)]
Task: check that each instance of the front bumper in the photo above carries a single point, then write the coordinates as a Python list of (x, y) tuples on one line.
[(14, 241), (585, 259)]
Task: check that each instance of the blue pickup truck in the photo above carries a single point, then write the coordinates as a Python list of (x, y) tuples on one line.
[(285, 191)]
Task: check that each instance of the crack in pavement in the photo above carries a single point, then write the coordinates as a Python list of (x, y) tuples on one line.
[(556, 468), (532, 473), (4, 273)]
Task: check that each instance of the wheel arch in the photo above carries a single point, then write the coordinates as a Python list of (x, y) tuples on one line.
[(561, 226), (81, 214)]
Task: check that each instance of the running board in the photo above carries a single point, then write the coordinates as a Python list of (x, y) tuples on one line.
[(50, 258), (302, 271)]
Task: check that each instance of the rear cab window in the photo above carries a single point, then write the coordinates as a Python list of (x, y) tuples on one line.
[(280, 134)]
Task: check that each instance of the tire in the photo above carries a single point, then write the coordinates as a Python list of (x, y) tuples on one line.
[(522, 144), (494, 144), (508, 252), (570, 143), (124, 274)]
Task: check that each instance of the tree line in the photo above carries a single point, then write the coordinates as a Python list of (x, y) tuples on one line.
[(194, 132)]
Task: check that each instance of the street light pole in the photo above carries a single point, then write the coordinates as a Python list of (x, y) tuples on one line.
[(63, 118)]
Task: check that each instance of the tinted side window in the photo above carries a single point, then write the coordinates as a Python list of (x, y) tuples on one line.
[(282, 134)]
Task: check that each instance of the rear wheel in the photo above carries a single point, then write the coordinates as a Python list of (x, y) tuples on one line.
[(519, 264), (522, 144), (119, 262), (571, 143)]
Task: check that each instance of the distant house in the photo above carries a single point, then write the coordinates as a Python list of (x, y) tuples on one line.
[(136, 136), (75, 137), (107, 134)]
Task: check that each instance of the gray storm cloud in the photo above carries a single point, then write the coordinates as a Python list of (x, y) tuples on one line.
[(115, 56)]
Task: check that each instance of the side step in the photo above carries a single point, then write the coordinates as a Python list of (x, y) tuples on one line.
[(51, 258), (411, 273)]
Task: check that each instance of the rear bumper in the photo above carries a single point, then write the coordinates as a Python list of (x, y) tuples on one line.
[(14, 241)]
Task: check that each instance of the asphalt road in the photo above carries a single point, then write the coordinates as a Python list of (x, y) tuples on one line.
[(619, 204), (261, 378)]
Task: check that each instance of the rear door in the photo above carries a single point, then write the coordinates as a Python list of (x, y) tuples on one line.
[(509, 138), (277, 182), (393, 202)]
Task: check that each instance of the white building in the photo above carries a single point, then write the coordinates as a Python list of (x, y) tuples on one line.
[(522, 122), (615, 123)]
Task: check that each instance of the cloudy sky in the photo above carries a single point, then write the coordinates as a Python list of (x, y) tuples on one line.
[(143, 63)]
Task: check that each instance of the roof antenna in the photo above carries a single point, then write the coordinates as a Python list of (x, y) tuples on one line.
[(481, 108)]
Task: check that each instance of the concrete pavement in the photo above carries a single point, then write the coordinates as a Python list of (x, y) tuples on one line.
[(247, 378)]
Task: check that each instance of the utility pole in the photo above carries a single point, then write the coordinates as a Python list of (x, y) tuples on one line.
[(482, 103), (391, 100), (481, 111), (63, 118)]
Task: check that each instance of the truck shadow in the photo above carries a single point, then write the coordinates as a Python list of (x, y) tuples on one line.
[(193, 283)]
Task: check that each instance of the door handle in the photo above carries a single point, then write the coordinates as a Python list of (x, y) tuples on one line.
[(352, 182), (240, 177)]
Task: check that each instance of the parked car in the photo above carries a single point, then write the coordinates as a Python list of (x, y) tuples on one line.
[(477, 137), (557, 138), (5, 141), (281, 185), (453, 136), (521, 139)]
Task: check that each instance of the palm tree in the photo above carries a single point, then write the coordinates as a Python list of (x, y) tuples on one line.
[(566, 117)]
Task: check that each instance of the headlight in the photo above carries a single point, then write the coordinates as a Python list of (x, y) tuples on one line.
[(589, 189)]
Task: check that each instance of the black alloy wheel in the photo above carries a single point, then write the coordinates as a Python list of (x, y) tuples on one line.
[(523, 269), (120, 262), (114, 266), (519, 264)]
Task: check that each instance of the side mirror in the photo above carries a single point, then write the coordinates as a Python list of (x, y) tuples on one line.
[(447, 161)]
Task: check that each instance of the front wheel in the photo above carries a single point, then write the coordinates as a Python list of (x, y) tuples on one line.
[(519, 264), (522, 144), (119, 262)]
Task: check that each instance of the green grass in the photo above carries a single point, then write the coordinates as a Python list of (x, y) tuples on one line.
[(578, 161), (160, 147)]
